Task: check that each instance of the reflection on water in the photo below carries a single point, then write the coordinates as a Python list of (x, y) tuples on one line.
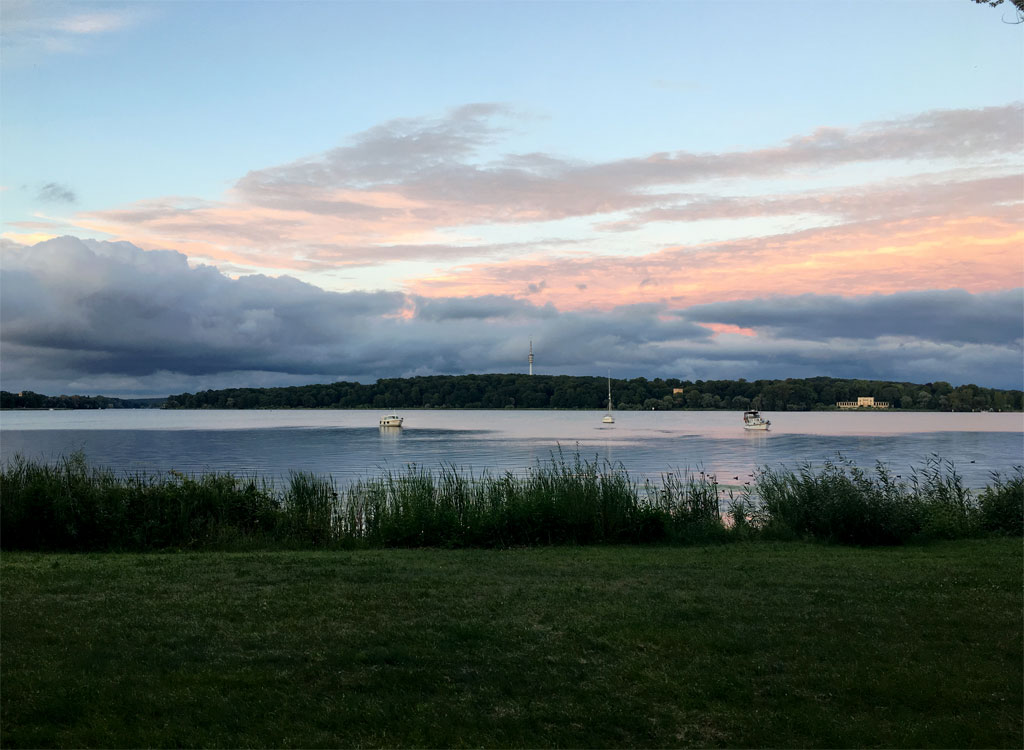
[(349, 444), (390, 433)]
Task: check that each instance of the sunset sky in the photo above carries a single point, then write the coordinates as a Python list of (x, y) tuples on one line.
[(212, 194)]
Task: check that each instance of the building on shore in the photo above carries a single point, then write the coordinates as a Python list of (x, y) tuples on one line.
[(863, 402)]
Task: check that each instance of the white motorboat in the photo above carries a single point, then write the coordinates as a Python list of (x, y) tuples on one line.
[(391, 420), (752, 420), (608, 418)]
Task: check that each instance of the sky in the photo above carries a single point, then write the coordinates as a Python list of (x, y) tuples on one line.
[(202, 195)]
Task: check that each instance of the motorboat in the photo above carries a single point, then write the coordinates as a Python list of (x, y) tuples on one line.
[(391, 420), (608, 418), (752, 420)]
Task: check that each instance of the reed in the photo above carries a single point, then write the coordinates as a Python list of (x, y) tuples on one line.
[(837, 503), (308, 510), (1001, 504), (690, 504), (562, 502), (70, 506), (842, 503)]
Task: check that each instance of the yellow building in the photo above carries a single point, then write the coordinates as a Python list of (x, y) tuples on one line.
[(863, 402)]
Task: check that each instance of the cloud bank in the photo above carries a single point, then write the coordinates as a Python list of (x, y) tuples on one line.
[(434, 207), (86, 316)]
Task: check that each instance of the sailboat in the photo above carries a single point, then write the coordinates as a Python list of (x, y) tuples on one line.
[(608, 418)]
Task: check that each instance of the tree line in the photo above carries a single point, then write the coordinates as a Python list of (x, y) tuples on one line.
[(31, 400), (516, 391)]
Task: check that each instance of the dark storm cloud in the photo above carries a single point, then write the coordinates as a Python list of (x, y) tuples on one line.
[(87, 316), (489, 306), (110, 307), (949, 316)]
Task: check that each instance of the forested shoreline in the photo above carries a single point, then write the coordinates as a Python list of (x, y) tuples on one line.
[(518, 391), (32, 400)]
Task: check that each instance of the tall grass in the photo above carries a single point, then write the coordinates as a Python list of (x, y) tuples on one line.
[(1001, 504), (562, 502), (842, 503), (838, 503), (70, 506)]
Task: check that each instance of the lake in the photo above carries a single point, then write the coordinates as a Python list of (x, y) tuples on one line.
[(348, 444)]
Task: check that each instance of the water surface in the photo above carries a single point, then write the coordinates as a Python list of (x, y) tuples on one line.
[(348, 444)]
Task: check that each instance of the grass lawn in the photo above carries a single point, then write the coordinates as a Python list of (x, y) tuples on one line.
[(764, 644)]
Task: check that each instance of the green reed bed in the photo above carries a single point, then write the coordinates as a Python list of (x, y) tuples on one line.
[(843, 503), (575, 502), (71, 506)]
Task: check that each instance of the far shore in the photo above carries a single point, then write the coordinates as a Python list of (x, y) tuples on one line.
[(865, 410)]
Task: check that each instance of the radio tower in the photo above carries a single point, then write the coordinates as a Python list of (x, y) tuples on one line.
[(531, 356)]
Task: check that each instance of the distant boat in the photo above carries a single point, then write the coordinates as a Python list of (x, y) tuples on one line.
[(608, 418), (752, 420), (391, 420)]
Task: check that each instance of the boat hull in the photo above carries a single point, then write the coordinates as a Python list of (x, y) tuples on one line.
[(752, 420)]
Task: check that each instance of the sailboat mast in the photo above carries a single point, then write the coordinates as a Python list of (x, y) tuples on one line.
[(608, 418)]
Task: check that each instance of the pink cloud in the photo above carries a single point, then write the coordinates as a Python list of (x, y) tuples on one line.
[(729, 328), (973, 253), (415, 189)]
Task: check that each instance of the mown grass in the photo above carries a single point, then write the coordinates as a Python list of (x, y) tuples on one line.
[(71, 506), (744, 645)]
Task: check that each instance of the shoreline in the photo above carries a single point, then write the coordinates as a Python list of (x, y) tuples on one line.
[(69, 505)]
